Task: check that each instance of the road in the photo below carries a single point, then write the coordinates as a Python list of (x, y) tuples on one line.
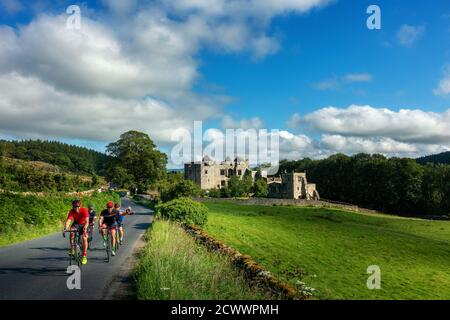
[(36, 269)]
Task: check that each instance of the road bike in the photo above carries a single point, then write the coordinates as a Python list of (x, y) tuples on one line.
[(90, 235), (78, 241), (108, 241)]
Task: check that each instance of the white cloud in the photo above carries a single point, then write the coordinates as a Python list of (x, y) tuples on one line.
[(133, 67), (47, 112), (405, 125), (443, 87), (355, 129), (358, 77), (407, 35), (337, 82)]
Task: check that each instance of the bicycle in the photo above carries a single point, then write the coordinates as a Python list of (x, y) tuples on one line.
[(118, 225), (108, 241), (90, 235), (78, 240)]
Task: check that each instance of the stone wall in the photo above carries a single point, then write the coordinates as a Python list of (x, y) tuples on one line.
[(289, 202)]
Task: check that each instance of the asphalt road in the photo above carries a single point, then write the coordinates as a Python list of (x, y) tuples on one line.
[(36, 269)]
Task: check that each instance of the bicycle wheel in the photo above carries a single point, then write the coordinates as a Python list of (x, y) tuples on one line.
[(108, 246), (80, 250)]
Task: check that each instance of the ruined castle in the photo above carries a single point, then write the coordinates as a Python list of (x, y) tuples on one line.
[(209, 174)]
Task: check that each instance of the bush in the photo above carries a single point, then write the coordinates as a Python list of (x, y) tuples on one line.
[(260, 189), (184, 210), (214, 193), (183, 188)]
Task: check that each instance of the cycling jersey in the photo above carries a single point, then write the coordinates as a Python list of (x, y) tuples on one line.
[(108, 218), (91, 216), (80, 217), (119, 217)]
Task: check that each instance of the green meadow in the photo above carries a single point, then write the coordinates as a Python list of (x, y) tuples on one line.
[(331, 249)]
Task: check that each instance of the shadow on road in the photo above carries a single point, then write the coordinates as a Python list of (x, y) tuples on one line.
[(35, 271), (146, 213), (50, 249), (142, 226)]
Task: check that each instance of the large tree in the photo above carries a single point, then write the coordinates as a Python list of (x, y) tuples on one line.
[(138, 160)]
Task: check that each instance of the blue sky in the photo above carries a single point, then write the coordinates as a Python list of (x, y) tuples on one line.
[(310, 68)]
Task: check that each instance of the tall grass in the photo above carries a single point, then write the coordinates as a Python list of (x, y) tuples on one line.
[(173, 266), (25, 217)]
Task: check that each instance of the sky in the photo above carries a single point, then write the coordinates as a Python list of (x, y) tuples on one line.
[(311, 69)]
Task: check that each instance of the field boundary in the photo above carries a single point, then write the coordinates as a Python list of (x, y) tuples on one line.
[(289, 202), (254, 274), (45, 193)]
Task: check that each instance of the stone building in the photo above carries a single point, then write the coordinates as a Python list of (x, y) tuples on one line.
[(292, 185), (215, 175), (211, 175)]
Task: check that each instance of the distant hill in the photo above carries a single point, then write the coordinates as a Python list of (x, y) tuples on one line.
[(443, 157), (67, 157)]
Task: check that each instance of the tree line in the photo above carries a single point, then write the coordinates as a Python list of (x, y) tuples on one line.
[(391, 185), (67, 157), (23, 177)]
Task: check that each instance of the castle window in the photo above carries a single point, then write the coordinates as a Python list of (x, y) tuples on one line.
[(222, 172), (240, 172), (222, 183), (206, 171)]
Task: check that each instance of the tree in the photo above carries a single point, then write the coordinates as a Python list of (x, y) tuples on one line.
[(137, 155), (260, 188)]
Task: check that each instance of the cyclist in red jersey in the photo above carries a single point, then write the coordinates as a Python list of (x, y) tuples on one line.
[(78, 220)]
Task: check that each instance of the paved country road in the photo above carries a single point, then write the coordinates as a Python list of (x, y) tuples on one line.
[(36, 269)]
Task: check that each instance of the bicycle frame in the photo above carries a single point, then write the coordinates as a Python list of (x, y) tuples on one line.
[(78, 244)]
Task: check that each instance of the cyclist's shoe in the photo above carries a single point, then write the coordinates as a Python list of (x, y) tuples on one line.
[(113, 252), (120, 241), (71, 253), (104, 243), (84, 260)]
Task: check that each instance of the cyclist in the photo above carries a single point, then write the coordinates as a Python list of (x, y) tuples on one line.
[(92, 219), (78, 220), (120, 217), (108, 220)]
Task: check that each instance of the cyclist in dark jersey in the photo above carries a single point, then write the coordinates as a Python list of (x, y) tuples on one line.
[(108, 220), (92, 219)]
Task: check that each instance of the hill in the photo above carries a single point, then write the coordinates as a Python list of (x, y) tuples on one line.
[(36, 176), (67, 157), (443, 158)]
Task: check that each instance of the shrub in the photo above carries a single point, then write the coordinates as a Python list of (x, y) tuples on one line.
[(214, 193), (184, 210), (260, 189), (183, 188)]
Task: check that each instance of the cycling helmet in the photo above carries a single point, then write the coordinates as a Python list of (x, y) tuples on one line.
[(110, 204), (91, 206), (76, 203), (117, 205)]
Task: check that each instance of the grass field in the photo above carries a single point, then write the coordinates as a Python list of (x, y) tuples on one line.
[(25, 217), (295, 243), (174, 266)]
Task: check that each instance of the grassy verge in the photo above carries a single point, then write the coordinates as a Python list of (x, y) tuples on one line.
[(296, 243), (26, 217), (173, 266)]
